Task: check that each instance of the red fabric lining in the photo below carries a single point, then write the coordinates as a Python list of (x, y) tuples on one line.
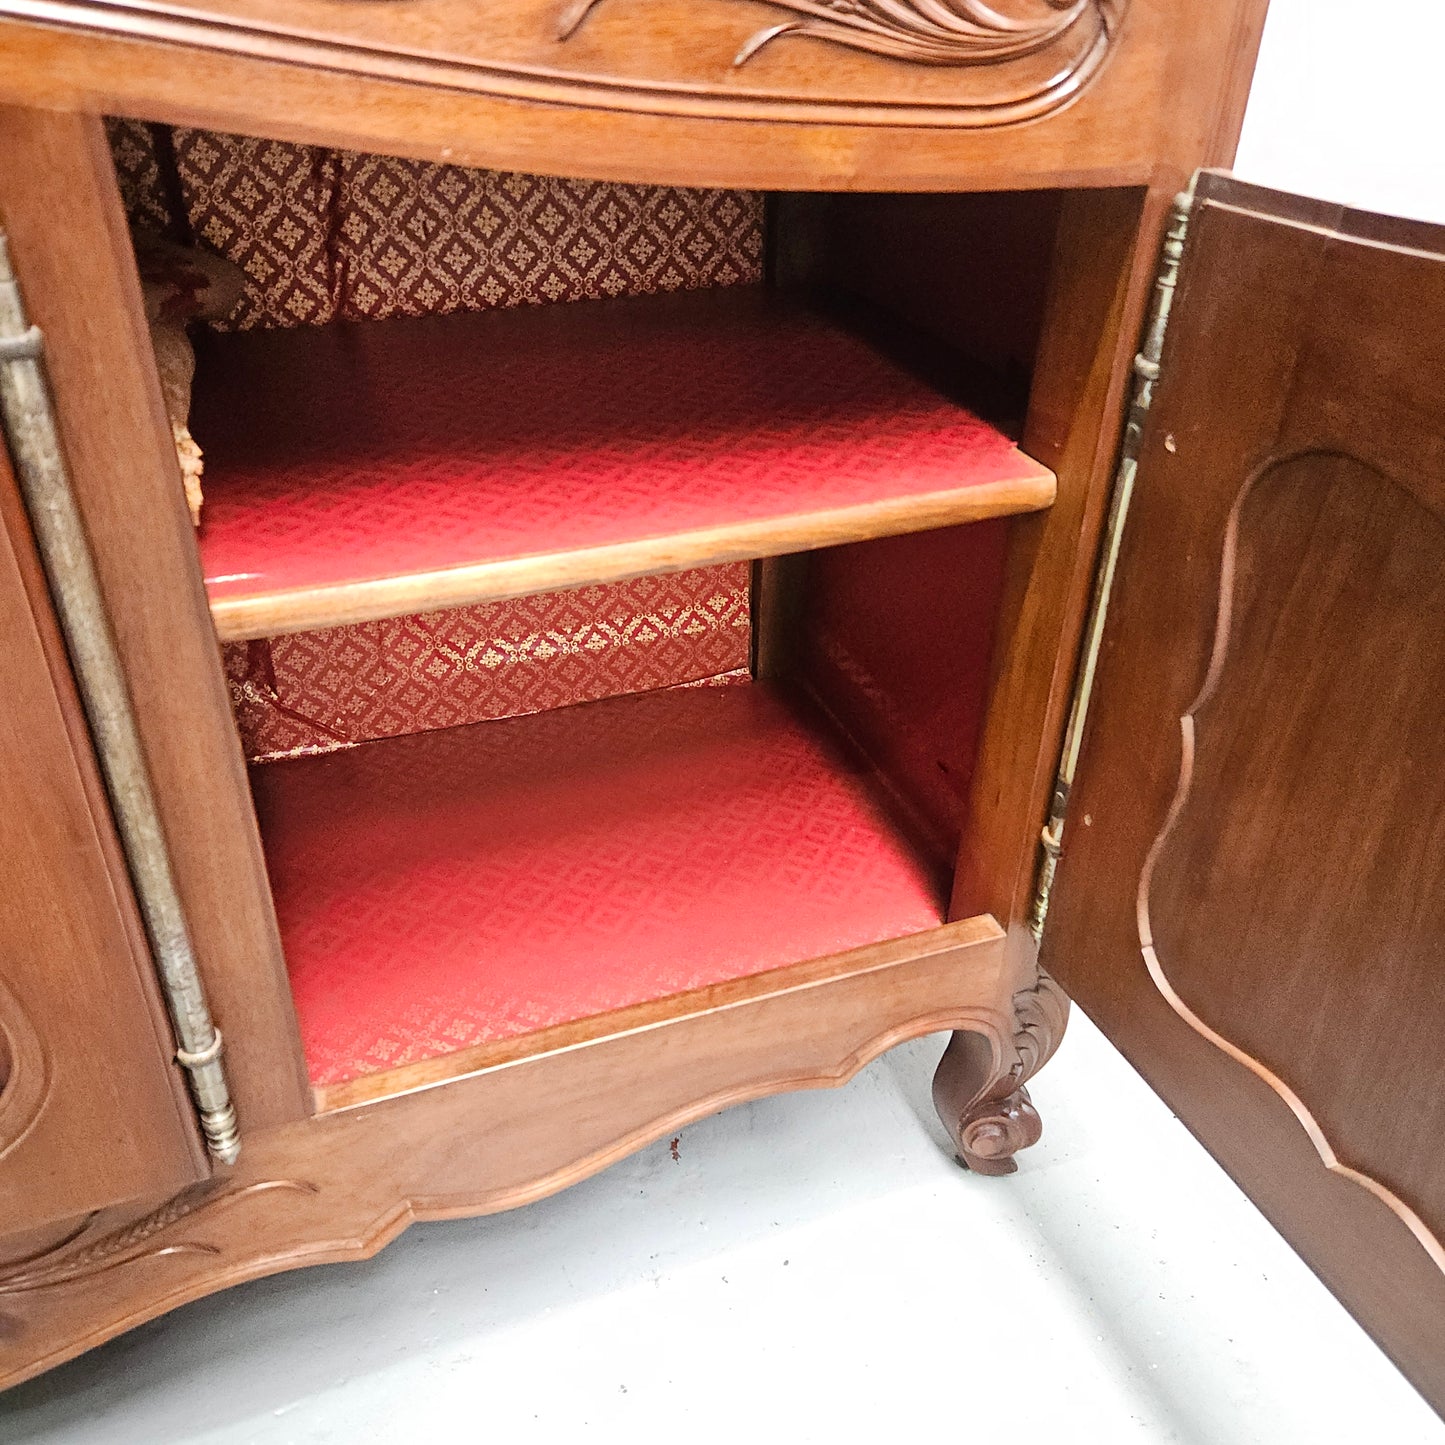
[(383, 449), (452, 888)]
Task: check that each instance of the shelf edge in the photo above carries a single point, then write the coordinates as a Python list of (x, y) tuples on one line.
[(238, 619), (968, 933)]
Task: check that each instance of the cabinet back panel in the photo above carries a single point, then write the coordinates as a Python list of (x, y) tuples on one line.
[(893, 638)]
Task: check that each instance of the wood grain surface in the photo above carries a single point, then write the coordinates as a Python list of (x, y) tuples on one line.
[(648, 91), (1250, 901), (342, 1185), (92, 1110), (72, 254)]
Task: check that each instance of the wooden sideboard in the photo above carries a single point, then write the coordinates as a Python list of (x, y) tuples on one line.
[(581, 709)]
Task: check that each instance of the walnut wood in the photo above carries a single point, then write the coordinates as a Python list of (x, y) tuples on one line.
[(778, 585), (881, 607), (71, 252), (1259, 806), (305, 609), (91, 1109), (1103, 274), (1331, 576), (1096, 252), (1061, 50), (341, 1185), (52, 642), (644, 91), (982, 1100)]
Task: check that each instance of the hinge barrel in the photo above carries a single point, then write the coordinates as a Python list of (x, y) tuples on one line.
[(40, 467), (1145, 375)]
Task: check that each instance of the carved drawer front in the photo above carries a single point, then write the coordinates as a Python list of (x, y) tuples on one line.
[(950, 63)]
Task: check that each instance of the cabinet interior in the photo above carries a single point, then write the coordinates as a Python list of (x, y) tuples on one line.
[(606, 576)]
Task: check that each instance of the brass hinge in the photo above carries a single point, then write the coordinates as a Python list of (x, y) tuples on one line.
[(1146, 373), (28, 418)]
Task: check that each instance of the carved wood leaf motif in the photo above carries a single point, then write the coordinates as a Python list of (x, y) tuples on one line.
[(25, 1072), (77, 1257), (925, 32)]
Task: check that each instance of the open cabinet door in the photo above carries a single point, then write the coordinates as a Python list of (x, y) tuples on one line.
[(1251, 903)]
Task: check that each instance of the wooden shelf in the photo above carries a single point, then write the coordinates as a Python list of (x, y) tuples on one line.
[(365, 470), (454, 890), (881, 993)]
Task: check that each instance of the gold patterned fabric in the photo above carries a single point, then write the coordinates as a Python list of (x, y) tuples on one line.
[(328, 234), (313, 692)]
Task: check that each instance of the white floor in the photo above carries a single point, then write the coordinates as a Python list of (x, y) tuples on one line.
[(810, 1268)]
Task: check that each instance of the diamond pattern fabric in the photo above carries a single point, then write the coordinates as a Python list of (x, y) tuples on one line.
[(460, 887), (327, 235), (316, 691), (463, 847), (138, 173)]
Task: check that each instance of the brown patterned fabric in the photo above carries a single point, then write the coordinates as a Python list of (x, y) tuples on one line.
[(137, 169), (268, 206), (418, 239), (327, 234)]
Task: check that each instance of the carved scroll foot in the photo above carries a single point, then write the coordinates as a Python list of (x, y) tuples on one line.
[(982, 1100), (989, 1138)]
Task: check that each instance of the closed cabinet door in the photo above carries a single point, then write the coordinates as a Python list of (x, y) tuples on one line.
[(92, 1109), (1251, 900)]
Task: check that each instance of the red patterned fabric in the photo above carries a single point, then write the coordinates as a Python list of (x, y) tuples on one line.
[(896, 635), (316, 691), (451, 888), (379, 450), (268, 206), (328, 234)]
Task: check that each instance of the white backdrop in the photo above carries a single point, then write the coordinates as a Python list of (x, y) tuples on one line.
[(1348, 103)]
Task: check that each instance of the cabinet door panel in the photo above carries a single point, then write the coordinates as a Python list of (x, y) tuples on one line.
[(1253, 899), (91, 1111)]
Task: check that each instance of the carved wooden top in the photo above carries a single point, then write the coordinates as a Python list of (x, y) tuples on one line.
[(958, 63), (763, 94), (925, 32)]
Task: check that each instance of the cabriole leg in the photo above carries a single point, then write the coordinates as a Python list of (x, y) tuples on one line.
[(985, 1107)]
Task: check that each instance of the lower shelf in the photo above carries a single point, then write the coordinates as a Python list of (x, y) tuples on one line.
[(453, 889), (506, 1130)]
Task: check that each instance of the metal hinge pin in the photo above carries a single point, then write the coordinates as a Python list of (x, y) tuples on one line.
[(1146, 375)]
